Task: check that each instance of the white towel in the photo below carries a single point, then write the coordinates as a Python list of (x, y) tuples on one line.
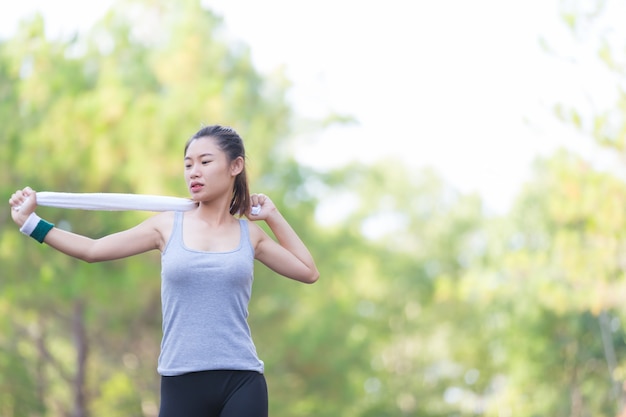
[(119, 202), (114, 201)]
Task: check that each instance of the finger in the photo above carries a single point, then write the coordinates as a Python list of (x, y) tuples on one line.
[(16, 199), (24, 198), (15, 204)]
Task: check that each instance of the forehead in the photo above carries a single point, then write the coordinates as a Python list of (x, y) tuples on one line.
[(202, 146)]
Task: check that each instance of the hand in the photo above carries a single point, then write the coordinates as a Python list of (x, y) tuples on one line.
[(23, 203), (266, 205)]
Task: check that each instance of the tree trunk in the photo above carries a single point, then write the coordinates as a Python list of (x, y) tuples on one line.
[(81, 344), (611, 359)]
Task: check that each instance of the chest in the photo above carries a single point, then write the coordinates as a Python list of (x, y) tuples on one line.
[(211, 262), (200, 236)]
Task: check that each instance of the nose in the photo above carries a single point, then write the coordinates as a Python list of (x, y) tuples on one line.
[(193, 171)]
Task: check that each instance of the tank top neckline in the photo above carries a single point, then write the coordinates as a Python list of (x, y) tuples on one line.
[(179, 226)]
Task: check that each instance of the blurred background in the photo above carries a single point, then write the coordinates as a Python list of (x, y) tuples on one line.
[(456, 168)]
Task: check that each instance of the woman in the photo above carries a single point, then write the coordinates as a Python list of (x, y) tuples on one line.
[(208, 361)]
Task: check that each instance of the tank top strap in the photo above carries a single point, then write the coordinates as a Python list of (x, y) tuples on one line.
[(245, 235), (177, 228), (176, 236)]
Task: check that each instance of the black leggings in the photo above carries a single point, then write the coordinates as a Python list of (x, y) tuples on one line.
[(214, 394)]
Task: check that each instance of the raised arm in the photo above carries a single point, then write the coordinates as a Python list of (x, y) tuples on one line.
[(288, 255), (138, 239)]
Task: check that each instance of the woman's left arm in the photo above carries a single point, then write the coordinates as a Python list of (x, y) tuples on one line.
[(288, 255)]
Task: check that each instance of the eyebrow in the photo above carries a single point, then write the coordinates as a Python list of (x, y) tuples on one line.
[(200, 156)]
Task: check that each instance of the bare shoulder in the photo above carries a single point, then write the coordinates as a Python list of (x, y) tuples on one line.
[(161, 219)]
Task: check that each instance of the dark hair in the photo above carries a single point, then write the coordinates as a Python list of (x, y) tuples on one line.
[(231, 143)]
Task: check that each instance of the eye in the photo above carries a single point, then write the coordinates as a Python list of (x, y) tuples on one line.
[(206, 162), (187, 166)]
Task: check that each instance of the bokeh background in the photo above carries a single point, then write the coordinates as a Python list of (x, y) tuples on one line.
[(456, 168)]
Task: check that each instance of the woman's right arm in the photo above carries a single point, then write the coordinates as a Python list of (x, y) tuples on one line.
[(139, 239)]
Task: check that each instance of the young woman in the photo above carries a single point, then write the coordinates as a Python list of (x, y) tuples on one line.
[(208, 362)]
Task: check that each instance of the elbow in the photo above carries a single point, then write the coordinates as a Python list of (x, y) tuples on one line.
[(92, 254), (90, 257), (93, 258)]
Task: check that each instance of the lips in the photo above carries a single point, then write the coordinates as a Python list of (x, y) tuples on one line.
[(195, 186)]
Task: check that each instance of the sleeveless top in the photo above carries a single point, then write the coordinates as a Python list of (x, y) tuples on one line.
[(204, 297)]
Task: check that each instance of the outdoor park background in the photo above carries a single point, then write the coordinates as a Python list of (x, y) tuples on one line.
[(434, 299)]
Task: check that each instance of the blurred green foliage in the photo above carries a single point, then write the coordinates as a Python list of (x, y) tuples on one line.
[(427, 305)]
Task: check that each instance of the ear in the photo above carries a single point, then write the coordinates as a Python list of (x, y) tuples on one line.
[(236, 166)]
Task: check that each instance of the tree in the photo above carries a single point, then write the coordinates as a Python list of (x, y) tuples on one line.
[(550, 278), (108, 112)]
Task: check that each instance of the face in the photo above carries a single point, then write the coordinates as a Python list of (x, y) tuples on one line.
[(208, 172)]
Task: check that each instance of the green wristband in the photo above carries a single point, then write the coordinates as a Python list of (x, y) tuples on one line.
[(41, 230)]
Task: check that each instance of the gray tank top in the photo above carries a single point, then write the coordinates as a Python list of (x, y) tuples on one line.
[(204, 298)]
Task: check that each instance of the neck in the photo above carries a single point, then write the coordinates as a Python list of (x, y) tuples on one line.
[(217, 211)]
